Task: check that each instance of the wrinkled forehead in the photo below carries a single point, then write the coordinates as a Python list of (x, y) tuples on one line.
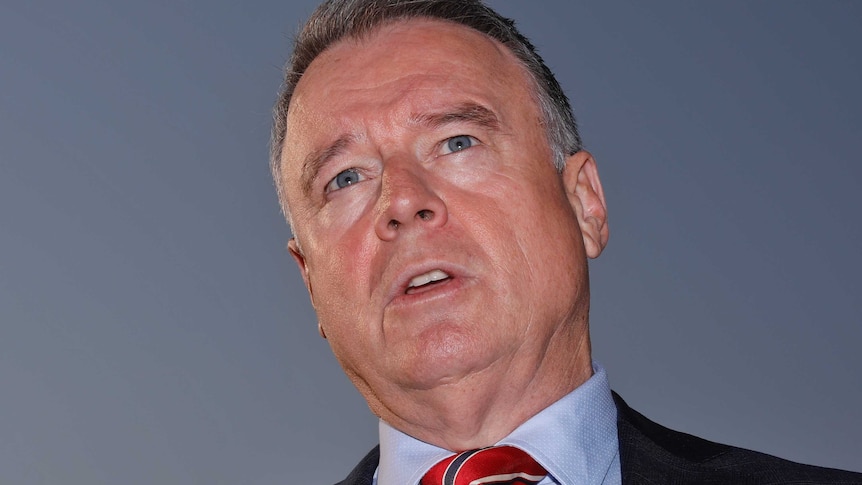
[(398, 71), (397, 50), (415, 54)]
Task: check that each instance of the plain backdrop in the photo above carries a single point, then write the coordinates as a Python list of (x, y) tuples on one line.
[(153, 328)]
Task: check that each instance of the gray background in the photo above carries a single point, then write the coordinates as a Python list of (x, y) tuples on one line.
[(154, 330)]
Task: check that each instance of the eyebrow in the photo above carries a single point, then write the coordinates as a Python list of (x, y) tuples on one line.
[(464, 113), (315, 160)]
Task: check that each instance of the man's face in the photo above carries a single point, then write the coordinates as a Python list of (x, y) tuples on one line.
[(436, 238)]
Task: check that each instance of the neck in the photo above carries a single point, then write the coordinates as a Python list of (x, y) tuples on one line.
[(481, 409)]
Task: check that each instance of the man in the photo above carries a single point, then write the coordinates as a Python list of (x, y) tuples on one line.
[(443, 211)]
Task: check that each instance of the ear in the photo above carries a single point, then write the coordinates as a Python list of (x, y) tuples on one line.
[(585, 193), (296, 253)]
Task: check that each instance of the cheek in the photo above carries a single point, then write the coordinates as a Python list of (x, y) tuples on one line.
[(341, 304), (345, 209), (339, 270), (533, 235)]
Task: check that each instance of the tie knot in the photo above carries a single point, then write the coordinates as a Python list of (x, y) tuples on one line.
[(497, 465)]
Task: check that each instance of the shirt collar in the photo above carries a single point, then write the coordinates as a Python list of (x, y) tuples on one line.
[(575, 439)]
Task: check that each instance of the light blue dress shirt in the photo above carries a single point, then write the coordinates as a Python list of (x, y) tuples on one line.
[(575, 439)]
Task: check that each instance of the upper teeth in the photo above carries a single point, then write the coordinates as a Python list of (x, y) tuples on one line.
[(428, 277)]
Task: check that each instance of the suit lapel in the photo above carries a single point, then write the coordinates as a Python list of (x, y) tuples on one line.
[(363, 474)]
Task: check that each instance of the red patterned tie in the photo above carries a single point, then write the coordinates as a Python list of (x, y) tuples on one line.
[(497, 465)]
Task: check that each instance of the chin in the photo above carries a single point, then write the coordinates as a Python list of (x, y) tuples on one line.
[(443, 358)]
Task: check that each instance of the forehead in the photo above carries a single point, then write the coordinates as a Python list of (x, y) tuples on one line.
[(417, 56), (400, 49), (399, 71)]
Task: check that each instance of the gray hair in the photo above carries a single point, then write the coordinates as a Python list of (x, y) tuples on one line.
[(335, 20)]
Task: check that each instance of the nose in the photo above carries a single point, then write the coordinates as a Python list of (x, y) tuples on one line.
[(407, 201)]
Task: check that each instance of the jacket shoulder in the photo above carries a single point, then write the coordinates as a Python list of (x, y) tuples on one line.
[(653, 454), (363, 473)]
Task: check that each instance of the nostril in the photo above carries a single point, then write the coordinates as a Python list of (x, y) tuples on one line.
[(425, 214), (393, 224)]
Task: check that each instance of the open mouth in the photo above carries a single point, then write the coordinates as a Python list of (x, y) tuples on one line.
[(427, 281)]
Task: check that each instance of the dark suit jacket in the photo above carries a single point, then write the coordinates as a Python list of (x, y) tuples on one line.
[(653, 454)]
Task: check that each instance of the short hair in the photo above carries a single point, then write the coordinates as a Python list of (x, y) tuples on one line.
[(335, 20)]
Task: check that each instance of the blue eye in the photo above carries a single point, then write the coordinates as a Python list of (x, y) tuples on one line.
[(458, 143), (343, 179)]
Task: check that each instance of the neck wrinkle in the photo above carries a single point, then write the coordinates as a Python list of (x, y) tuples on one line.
[(457, 418)]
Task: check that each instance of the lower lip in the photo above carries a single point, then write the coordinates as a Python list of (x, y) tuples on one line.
[(441, 290)]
